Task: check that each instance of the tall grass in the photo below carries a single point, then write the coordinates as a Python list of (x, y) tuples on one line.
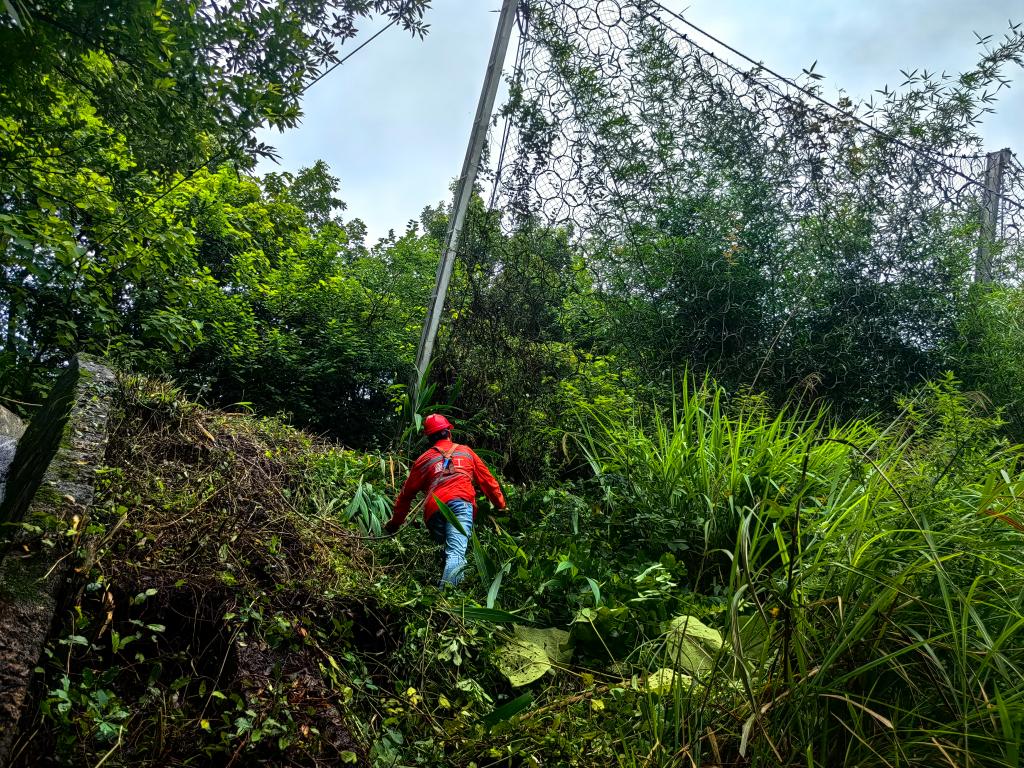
[(876, 608)]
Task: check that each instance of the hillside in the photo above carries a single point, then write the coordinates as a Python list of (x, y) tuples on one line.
[(853, 597)]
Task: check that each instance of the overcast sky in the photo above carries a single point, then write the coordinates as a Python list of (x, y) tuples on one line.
[(393, 121)]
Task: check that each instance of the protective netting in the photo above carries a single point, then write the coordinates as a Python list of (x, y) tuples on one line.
[(1011, 212), (728, 219)]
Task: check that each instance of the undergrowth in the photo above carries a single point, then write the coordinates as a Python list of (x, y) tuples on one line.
[(720, 585)]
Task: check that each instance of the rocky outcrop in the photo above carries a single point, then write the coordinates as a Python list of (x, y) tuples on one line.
[(11, 428), (8, 447), (10, 425), (50, 481)]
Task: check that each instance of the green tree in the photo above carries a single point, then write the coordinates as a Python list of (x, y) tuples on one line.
[(108, 108), (281, 305)]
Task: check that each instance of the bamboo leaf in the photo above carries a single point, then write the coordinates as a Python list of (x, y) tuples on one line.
[(450, 516), (507, 711), (490, 615)]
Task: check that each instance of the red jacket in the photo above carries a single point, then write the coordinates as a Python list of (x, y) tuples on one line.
[(427, 475)]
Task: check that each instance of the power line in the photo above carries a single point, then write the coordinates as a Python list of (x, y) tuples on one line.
[(938, 159), (356, 50)]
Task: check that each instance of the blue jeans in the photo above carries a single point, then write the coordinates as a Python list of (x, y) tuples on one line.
[(454, 542)]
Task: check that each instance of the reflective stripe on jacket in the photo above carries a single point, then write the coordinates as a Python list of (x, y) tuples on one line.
[(428, 475)]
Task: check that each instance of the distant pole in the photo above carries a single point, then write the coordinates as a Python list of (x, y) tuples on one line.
[(990, 200), (464, 191)]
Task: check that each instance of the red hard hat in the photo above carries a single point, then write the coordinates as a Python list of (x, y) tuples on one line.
[(435, 422)]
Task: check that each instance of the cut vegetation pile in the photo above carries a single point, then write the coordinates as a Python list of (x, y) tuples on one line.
[(203, 622)]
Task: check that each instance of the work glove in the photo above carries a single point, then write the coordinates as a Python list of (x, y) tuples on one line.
[(391, 526)]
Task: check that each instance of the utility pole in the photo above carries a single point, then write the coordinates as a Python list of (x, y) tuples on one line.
[(464, 190), (990, 200)]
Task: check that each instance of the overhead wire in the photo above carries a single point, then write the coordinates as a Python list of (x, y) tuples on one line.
[(352, 53)]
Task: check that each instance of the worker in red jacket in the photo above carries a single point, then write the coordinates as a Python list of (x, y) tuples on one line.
[(446, 472)]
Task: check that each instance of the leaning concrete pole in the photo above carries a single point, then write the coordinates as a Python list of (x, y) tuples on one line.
[(464, 191), (994, 170)]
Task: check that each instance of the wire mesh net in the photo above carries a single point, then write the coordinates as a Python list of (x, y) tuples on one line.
[(1011, 213), (676, 210)]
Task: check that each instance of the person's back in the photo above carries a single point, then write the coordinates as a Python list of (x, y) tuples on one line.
[(447, 472)]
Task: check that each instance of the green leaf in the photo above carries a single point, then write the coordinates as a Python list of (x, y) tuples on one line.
[(13, 13), (662, 681), (484, 565), (491, 615), (507, 710), (531, 653), (449, 515), (492, 593), (692, 645)]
